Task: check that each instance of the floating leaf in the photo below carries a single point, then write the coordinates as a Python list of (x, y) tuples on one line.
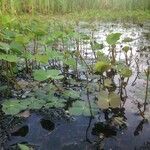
[(42, 75), (13, 107), (82, 108), (23, 147), (72, 94), (106, 100), (36, 104), (55, 102), (113, 38)]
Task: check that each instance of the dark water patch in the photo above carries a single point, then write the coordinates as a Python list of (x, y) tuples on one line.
[(105, 129), (47, 125), (23, 131)]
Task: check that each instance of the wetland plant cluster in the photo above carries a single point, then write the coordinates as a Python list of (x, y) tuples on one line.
[(43, 67)]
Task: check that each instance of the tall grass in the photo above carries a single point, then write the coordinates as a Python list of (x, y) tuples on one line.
[(66, 6)]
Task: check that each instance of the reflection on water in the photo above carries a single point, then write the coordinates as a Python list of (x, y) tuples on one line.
[(23, 131), (47, 125)]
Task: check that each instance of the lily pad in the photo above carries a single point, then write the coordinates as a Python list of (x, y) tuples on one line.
[(13, 107), (82, 108), (42, 75)]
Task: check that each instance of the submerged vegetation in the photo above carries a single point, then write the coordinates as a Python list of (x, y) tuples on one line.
[(62, 67)]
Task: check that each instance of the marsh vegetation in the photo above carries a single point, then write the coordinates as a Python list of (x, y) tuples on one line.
[(74, 75)]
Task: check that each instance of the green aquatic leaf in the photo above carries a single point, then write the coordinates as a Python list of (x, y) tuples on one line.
[(128, 39), (16, 47), (124, 70), (113, 38), (108, 83), (23, 147), (41, 58), (101, 67), (42, 75), (71, 62), (108, 100), (72, 94), (13, 107), (114, 100), (55, 102), (103, 101), (126, 49), (4, 46), (9, 58), (52, 54), (36, 103), (96, 46), (22, 39), (82, 108)]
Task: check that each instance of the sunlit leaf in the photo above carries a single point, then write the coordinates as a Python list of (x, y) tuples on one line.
[(9, 58), (126, 49), (114, 100), (101, 67), (113, 38)]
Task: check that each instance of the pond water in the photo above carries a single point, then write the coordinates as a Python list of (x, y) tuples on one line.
[(44, 132)]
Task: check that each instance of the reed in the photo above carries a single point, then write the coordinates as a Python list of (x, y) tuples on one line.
[(69, 6)]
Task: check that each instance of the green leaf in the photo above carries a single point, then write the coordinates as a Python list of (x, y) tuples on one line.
[(127, 40), (16, 47), (96, 46), (114, 100), (42, 75), (9, 58), (13, 107), (103, 101), (126, 49), (113, 38), (82, 108), (72, 94), (41, 58), (108, 83), (124, 70), (55, 102), (106, 100), (71, 62), (36, 103), (52, 54), (23, 147), (4, 46), (101, 67), (22, 39)]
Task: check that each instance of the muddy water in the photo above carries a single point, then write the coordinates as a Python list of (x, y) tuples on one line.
[(86, 133)]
